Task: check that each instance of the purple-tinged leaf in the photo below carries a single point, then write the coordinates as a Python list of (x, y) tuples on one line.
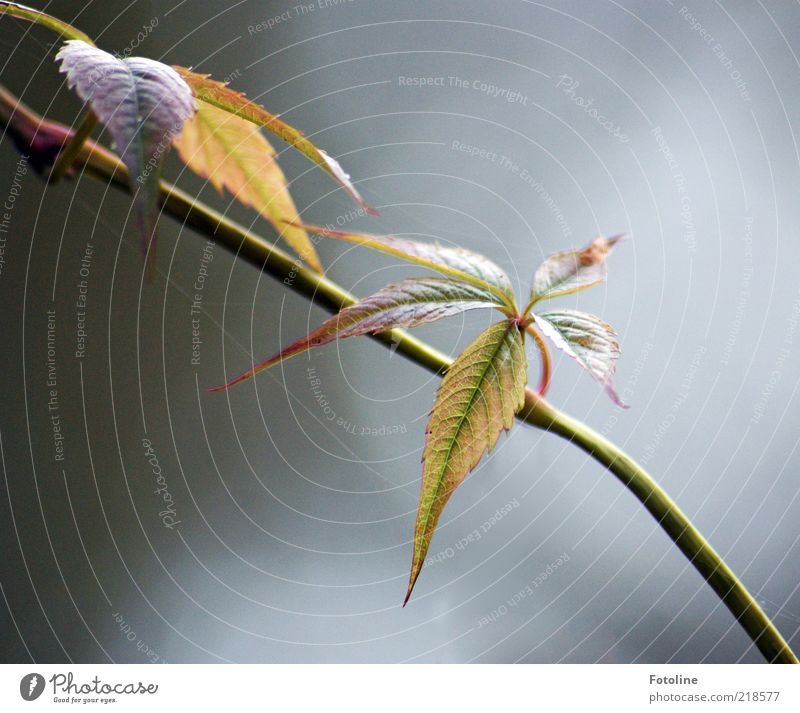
[(477, 399), (459, 263), (143, 104), (408, 303), (573, 270), (588, 340)]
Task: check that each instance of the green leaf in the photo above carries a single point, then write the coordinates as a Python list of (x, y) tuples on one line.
[(477, 399), (406, 304), (588, 340), (573, 270), (143, 104), (233, 155), (460, 263), (223, 97), (23, 12)]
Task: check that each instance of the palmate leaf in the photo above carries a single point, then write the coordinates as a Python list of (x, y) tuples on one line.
[(223, 97), (143, 104), (408, 303), (573, 270), (460, 263), (478, 398), (588, 340), (233, 155)]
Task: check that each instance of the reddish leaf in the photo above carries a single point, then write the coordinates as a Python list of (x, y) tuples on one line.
[(460, 263), (406, 304), (573, 270), (588, 340)]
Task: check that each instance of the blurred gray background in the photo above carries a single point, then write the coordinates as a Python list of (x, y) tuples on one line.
[(294, 494)]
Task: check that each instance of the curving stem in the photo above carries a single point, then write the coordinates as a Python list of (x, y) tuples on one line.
[(546, 367), (705, 559), (46, 138)]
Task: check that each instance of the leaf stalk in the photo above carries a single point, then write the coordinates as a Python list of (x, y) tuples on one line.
[(546, 365), (72, 148)]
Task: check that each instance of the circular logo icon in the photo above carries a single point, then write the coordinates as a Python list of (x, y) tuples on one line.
[(31, 686)]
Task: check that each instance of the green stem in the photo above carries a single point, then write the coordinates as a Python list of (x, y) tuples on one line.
[(705, 559), (60, 27), (101, 163), (537, 412), (72, 148)]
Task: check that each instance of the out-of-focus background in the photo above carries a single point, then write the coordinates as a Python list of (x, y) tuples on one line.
[(534, 128)]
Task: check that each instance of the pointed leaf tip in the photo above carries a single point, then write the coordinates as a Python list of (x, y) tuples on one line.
[(234, 156), (477, 400), (408, 594), (573, 270), (223, 97), (588, 340), (410, 303)]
